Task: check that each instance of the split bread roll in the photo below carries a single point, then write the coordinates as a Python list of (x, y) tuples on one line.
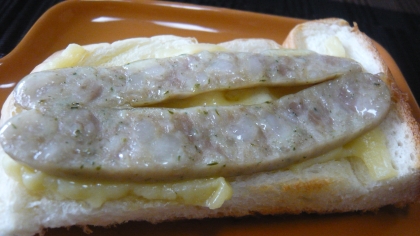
[(343, 180)]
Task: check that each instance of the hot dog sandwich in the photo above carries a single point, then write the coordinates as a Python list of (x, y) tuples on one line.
[(166, 128)]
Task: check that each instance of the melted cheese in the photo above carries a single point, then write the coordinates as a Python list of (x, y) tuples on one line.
[(69, 57), (76, 55), (334, 47), (370, 148), (210, 192)]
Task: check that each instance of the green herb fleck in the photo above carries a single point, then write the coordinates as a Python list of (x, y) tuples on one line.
[(81, 167), (196, 86), (14, 126), (74, 105), (98, 168), (165, 92), (217, 112), (213, 163), (196, 148), (170, 112)]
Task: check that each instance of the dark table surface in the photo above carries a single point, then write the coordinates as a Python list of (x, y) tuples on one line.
[(394, 24)]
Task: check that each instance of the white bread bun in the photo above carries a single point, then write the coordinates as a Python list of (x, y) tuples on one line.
[(337, 185)]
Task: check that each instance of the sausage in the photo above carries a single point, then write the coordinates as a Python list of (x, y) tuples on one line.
[(162, 144), (155, 80)]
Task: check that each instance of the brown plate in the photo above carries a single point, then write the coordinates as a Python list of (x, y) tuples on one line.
[(86, 22)]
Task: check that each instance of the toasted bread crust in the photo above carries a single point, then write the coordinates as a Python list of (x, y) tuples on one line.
[(405, 112)]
